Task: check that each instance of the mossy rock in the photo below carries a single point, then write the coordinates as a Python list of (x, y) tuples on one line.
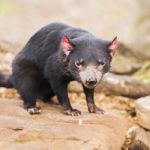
[(144, 72)]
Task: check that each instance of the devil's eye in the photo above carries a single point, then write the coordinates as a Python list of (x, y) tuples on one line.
[(79, 63), (100, 62)]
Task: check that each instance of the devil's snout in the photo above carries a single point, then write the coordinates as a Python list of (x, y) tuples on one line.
[(90, 76), (91, 81)]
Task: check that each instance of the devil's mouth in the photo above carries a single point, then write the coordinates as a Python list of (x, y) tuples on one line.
[(86, 85), (90, 86)]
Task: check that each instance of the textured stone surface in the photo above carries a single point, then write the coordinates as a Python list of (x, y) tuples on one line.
[(139, 138), (143, 111), (55, 131)]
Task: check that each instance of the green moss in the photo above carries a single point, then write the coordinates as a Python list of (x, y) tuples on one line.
[(7, 7), (144, 73)]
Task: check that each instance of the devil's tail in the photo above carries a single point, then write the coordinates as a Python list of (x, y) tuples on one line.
[(5, 80)]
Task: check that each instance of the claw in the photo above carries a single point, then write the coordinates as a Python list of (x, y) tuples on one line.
[(92, 108), (71, 112), (34, 110)]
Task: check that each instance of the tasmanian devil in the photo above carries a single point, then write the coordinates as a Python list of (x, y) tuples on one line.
[(54, 56)]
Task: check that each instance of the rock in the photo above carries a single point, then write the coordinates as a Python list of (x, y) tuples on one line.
[(53, 130), (118, 85), (141, 30), (125, 61), (143, 111), (123, 85), (143, 73), (139, 139), (75, 87), (6, 55)]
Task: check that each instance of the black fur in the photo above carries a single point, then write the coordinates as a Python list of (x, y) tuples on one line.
[(41, 70)]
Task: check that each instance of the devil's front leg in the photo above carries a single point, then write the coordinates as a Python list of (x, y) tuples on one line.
[(92, 108), (59, 87)]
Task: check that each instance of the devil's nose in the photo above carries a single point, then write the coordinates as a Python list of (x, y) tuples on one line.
[(91, 82)]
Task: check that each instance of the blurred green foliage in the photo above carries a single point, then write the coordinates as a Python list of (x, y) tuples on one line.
[(7, 7)]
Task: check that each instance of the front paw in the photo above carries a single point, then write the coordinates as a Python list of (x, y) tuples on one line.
[(92, 108), (33, 110), (71, 112)]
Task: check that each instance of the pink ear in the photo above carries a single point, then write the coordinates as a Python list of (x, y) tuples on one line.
[(113, 45), (66, 45)]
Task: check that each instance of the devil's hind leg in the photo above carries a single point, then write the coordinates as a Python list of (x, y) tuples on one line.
[(26, 79), (29, 91)]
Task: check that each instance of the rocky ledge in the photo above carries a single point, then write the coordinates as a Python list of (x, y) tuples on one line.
[(52, 130)]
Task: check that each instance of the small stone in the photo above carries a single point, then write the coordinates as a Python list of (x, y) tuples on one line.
[(80, 122)]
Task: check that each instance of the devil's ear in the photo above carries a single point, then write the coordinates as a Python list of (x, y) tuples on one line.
[(113, 45), (66, 45)]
